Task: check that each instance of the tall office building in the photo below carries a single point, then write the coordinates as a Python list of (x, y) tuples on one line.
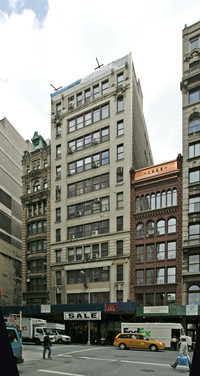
[(12, 146), (36, 180), (98, 132), (190, 87)]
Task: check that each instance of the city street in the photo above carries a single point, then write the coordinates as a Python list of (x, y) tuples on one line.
[(83, 360)]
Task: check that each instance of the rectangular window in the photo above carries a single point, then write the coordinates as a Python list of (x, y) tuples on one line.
[(193, 262), (194, 95), (120, 272), (88, 119), (150, 299), (120, 223), (119, 296), (160, 276), (58, 129), (120, 151), (104, 87), (194, 232), (71, 125), (79, 253), (79, 99), (58, 277), (171, 250), (194, 150), (79, 144), (194, 204), (104, 249), (120, 176), (105, 134), (120, 200), (120, 127), (149, 276), (58, 151), (140, 277), (70, 254), (58, 172), (58, 235), (95, 91), (58, 255), (119, 244), (87, 252), (58, 108), (105, 111), (160, 299), (194, 43), (95, 250), (58, 192), (96, 115), (160, 251), (71, 102), (140, 253), (87, 95), (58, 214), (120, 104), (120, 79), (194, 176), (171, 275), (171, 298)]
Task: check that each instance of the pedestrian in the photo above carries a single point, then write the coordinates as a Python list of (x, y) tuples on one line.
[(47, 346), (183, 351), (174, 343)]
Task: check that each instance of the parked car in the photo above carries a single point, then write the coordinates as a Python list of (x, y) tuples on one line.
[(137, 341), (16, 344)]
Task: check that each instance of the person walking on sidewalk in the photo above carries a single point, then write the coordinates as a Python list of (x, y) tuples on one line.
[(182, 351), (47, 346)]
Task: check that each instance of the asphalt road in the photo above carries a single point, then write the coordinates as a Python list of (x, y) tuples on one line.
[(83, 360)]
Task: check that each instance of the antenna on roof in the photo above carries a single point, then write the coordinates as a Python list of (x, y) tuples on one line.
[(99, 66), (55, 88)]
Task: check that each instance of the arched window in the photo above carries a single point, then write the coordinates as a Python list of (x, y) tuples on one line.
[(28, 189), (158, 200), (153, 201), (194, 124), (194, 295), (171, 225), (45, 183), (174, 196), (142, 203), (137, 204), (169, 197), (36, 186), (140, 230), (148, 202), (163, 199), (161, 227), (150, 228)]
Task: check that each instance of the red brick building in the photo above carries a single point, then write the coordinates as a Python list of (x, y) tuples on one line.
[(156, 234)]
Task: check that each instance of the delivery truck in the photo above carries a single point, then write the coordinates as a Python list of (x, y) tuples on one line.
[(163, 332), (34, 330)]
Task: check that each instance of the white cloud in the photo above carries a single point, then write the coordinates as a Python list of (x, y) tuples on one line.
[(66, 47)]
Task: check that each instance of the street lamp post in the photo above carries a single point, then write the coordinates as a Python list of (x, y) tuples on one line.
[(88, 285)]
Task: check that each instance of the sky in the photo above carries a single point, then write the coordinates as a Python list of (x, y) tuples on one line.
[(57, 42)]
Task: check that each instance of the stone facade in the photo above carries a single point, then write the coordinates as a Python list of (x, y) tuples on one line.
[(12, 147), (35, 198), (97, 133)]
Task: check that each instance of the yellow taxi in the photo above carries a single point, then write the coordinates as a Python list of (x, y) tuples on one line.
[(137, 341)]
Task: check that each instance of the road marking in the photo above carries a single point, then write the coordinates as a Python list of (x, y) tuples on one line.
[(60, 373), (115, 360)]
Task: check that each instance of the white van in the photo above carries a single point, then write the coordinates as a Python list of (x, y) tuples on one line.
[(163, 332)]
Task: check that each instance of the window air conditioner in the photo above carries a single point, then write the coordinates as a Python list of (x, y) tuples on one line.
[(78, 213), (105, 267), (71, 150), (95, 232), (95, 164), (97, 200)]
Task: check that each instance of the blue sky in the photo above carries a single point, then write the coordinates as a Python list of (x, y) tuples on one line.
[(39, 7), (57, 41)]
